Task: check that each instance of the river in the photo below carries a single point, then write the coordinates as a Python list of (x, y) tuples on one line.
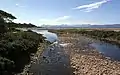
[(107, 49), (52, 37), (54, 61)]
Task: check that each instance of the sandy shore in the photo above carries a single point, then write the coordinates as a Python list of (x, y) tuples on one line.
[(85, 60)]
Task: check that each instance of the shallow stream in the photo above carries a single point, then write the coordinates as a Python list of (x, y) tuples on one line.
[(54, 61)]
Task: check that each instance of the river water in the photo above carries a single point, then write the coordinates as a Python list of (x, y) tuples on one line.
[(54, 61), (107, 49), (52, 37)]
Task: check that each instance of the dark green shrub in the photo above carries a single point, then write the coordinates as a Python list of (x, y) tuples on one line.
[(19, 46), (6, 66)]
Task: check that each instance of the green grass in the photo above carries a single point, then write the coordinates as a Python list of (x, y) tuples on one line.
[(92, 33)]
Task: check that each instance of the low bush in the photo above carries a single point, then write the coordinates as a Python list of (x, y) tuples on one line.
[(6, 66), (17, 47), (93, 33)]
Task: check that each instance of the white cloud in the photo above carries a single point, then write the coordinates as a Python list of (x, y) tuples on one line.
[(65, 20), (90, 7), (18, 5), (62, 18), (57, 21)]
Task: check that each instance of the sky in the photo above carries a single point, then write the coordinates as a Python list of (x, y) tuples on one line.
[(57, 12)]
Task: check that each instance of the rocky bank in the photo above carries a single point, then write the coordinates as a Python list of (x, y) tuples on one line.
[(86, 60)]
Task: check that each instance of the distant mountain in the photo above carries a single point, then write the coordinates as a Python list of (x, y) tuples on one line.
[(65, 26), (105, 26), (83, 26)]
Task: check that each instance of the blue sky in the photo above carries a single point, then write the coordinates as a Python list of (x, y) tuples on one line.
[(55, 12)]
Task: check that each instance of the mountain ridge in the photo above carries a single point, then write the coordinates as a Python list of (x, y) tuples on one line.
[(83, 26)]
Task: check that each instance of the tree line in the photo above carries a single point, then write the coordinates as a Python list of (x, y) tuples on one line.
[(6, 20), (16, 46)]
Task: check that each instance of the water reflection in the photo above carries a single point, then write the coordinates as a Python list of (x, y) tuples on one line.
[(50, 36), (109, 50)]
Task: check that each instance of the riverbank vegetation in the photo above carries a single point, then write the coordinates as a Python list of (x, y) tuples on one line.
[(16, 46), (109, 35)]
